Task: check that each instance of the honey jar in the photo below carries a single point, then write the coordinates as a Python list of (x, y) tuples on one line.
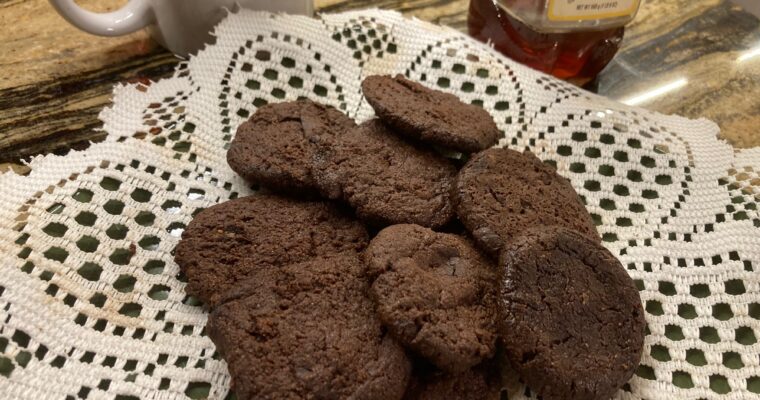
[(570, 39)]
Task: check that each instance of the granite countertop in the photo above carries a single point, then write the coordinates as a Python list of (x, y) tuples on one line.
[(693, 58)]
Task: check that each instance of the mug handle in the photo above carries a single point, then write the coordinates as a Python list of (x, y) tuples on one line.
[(134, 16)]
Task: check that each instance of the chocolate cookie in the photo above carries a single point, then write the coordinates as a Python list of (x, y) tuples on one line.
[(435, 293), (386, 179), (307, 331), (480, 383), (264, 231), (573, 323), (275, 146), (500, 192), (430, 115)]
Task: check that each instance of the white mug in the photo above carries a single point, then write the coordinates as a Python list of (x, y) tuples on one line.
[(182, 26)]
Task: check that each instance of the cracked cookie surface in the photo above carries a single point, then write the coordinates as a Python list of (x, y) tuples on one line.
[(264, 231), (308, 331), (386, 179), (573, 324), (276, 146), (435, 292), (482, 382), (500, 192), (430, 116)]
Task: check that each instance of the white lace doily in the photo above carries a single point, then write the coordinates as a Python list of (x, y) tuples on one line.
[(91, 302)]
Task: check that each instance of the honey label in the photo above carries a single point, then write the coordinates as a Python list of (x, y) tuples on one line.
[(580, 10)]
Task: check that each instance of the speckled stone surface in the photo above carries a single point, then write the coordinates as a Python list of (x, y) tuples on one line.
[(54, 79), (711, 46)]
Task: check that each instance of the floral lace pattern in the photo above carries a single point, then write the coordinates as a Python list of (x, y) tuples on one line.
[(93, 306)]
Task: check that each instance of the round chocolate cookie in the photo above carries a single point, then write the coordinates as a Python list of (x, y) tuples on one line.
[(430, 115), (573, 324), (387, 180), (436, 294), (307, 331), (500, 192), (479, 383), (275, 146), (264, 231)]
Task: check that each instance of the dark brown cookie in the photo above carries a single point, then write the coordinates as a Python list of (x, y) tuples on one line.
[(308, 331), (500, 192), (573, 324), (263, 230), (479, 383), (436, 293), (387, 180), (430, 115), (275, 146)]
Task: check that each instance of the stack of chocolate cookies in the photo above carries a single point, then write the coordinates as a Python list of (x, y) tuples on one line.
[(378, 268)]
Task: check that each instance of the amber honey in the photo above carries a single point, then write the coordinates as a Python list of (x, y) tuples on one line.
[(576, 55)]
